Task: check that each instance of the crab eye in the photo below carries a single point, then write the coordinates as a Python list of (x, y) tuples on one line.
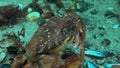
[(65, 30)]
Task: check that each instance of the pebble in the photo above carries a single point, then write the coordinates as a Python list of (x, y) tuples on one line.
[(94, 53), (2, 56), (108, 65)]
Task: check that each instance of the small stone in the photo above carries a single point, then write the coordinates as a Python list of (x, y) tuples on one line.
[(2, 56), (5, 66), (83, 6)]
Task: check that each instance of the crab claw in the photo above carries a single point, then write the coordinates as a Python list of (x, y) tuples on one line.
[(18, 61)]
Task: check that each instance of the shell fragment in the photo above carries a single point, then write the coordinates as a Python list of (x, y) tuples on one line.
[(94, 53)]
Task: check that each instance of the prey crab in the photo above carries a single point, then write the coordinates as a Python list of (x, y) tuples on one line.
[(50, 40)]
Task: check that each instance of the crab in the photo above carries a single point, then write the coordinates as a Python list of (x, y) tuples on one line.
[(46, 46)]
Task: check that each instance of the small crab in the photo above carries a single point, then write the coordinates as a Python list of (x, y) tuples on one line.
[(50, 40)]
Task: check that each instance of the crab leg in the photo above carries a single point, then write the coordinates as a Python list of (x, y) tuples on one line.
[(81, 27)]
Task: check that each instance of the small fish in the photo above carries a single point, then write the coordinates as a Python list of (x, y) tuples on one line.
[(94, 53)]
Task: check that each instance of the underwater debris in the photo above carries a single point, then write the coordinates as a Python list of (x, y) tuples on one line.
[(58, 3), (83, 6), (5, 66), (13, 38), (116, 26), (94, 12), (73, 61), (12, 50), (110, 14), (94, 53), (91, 65), (108, 65), (2, 56), (7, 42), (9, 14)]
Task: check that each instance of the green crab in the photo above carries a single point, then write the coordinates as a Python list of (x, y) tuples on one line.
[(50, 40)]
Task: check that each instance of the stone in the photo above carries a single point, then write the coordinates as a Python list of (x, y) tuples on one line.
[(5, 66), (2, 56)]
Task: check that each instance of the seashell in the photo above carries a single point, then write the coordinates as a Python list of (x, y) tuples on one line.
[(5, 66), (2, 56), (91, 65), (33, 16), (108, 65), (94, 53)]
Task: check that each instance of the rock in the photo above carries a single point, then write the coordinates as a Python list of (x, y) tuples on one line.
[(116, 26), (7, 42), (83, 6), (5, 66), (108, 65), (2, 56)]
